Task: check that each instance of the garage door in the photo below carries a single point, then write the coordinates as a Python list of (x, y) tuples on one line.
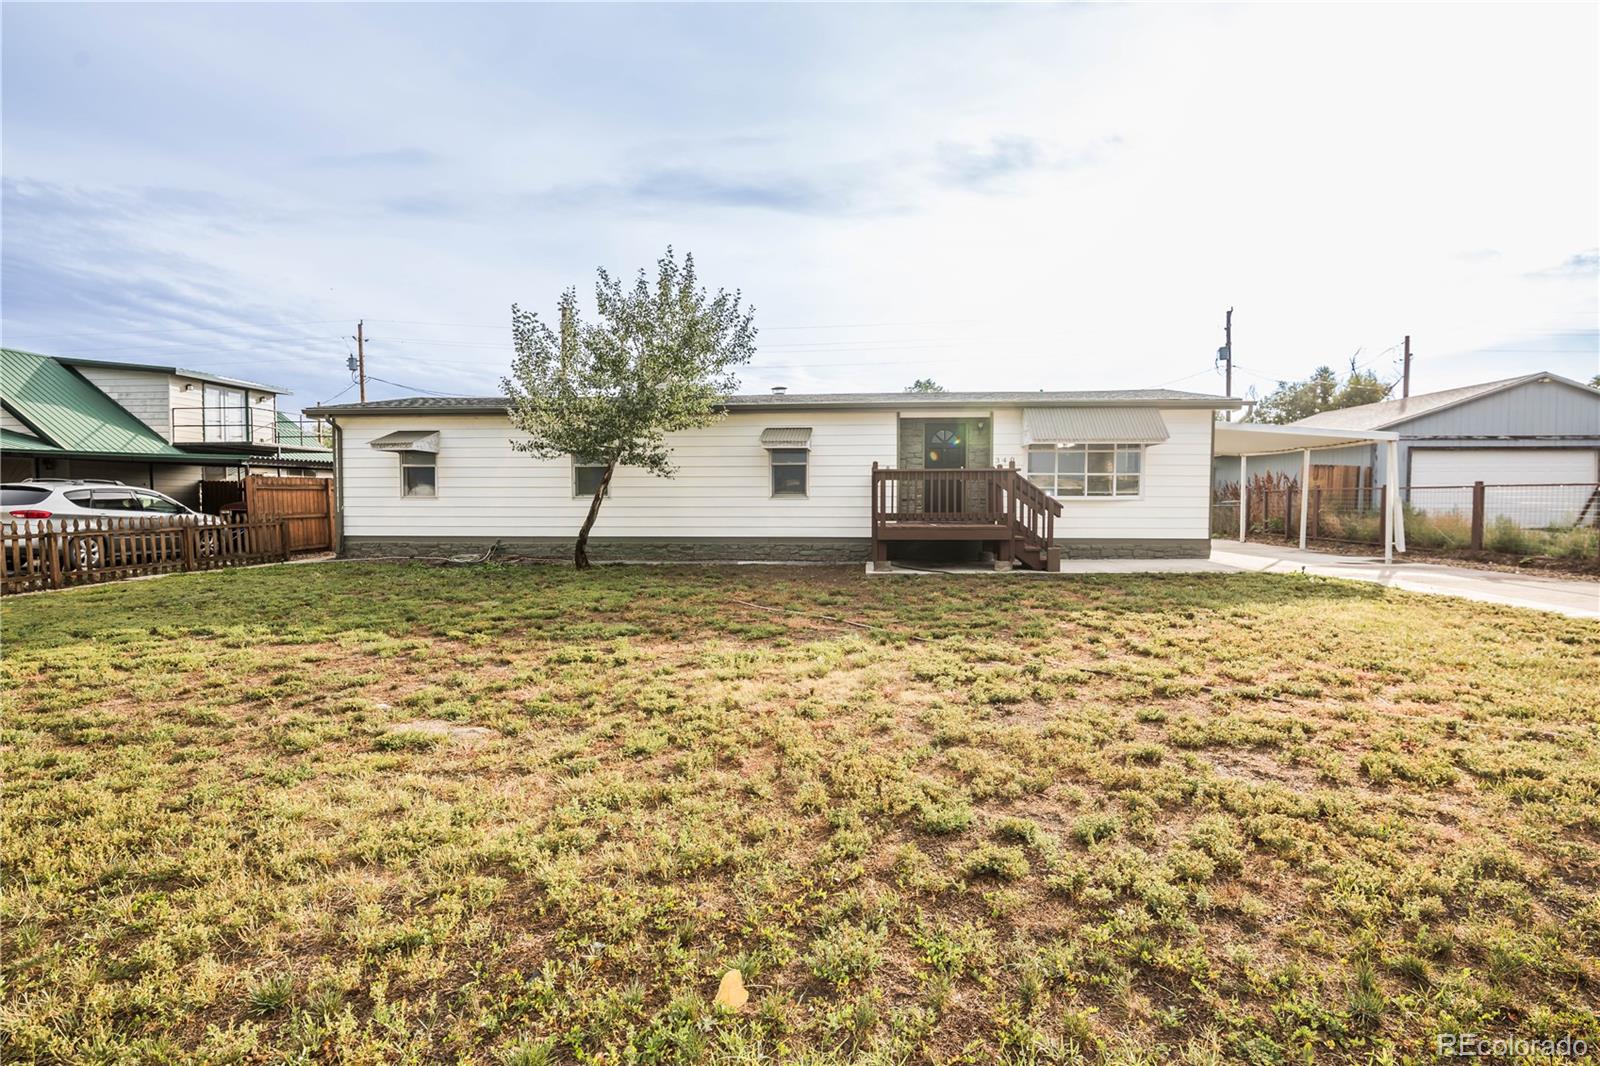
[(1502, 466), (1535, 501)]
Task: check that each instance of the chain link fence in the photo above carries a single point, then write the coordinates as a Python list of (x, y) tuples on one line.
[(1560, 521)]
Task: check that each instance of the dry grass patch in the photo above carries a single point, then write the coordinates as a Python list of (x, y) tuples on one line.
[(1190, 817)]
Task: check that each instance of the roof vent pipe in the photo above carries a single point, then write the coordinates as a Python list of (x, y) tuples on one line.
[(779, 390)]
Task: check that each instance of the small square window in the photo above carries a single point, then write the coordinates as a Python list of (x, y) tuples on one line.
[(586, 478), (417, 476), (789, 469)]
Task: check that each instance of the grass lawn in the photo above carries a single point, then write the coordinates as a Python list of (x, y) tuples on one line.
[(1199, 818)]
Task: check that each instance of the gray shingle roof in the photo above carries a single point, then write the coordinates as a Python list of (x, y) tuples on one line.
[(800, 401), (1389, 413)]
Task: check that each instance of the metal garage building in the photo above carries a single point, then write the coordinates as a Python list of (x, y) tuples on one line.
[(1537, 429)]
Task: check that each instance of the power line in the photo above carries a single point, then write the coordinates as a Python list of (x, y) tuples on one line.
[(402, 385), (340, 393)]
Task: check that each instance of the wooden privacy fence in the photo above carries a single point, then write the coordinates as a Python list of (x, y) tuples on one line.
[(305, 503), (61, 553)]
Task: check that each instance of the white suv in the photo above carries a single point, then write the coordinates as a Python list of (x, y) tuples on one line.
[(51, 499)]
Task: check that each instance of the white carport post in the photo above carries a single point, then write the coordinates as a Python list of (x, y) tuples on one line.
[(1244, 495), (1394, 524), (1305, 492)]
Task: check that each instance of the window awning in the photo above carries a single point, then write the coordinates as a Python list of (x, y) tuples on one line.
[(786, 437), (409, 440), (1093, 425)]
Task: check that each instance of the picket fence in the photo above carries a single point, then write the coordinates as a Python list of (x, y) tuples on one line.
[(59, 553)]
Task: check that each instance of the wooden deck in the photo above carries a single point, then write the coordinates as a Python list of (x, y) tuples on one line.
[(997, 506)]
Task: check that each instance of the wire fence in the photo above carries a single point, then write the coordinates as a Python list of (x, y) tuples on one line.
[(1558, 520)]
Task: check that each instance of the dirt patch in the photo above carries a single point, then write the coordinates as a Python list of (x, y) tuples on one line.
[(454, 731)]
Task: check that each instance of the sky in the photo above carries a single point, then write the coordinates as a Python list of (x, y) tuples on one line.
[(994, 197)]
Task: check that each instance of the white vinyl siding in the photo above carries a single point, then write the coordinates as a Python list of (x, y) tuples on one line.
[(1174, 499), (723, 487)]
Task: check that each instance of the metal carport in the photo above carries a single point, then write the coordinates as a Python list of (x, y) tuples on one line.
[(1254, 439)]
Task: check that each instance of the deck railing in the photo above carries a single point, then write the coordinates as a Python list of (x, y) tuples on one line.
[(984, 504), (954, 497)]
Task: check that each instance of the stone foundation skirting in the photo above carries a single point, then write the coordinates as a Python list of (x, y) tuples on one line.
[(734, 549), (1134, 548), (624, 549)]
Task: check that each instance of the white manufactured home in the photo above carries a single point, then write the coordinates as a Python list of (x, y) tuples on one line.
[(1031, 477)]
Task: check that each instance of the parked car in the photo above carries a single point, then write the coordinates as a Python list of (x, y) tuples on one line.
[(53, 502), (54, 499)]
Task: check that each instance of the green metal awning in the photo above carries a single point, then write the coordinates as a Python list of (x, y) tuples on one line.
[(1093, 425)]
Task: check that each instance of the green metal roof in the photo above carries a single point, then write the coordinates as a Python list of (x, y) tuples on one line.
[(292, 434), (71, 413), (12, 441)]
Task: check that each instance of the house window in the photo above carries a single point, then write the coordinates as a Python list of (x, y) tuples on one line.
[(586, 477), (788, 471), (1093, 471), (418, 474)]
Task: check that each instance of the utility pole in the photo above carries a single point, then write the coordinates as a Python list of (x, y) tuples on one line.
[(1225, 353), (361, 358), (1405, 374)]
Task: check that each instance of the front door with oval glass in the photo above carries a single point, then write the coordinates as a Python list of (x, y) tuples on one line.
[(944, 448)]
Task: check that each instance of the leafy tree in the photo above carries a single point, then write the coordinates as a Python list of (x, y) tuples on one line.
[(1322, 391), (661, 358), (1594, 382), (924, 385)]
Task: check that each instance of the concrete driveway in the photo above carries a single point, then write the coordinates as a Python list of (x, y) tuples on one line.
[(1574, 597)]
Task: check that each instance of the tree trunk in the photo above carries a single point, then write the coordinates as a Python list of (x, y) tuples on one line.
[(580, 554)]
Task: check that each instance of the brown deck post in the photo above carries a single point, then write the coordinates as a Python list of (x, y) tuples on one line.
[(880, 549), (1477, 516)]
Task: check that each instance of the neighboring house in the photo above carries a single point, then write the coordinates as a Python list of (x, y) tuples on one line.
[(160, 427), (793, 477), (1536, 429)]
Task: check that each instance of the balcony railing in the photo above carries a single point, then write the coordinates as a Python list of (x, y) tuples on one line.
[(252, 424)]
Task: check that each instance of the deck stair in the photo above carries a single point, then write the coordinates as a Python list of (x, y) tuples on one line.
[(997, 506)]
